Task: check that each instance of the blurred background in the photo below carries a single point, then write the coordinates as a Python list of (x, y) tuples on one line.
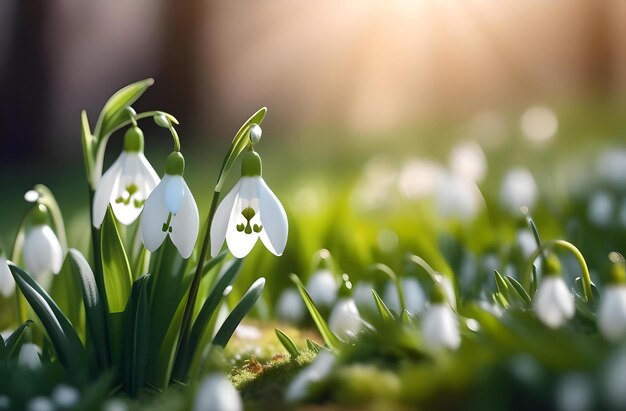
[(364, 97)]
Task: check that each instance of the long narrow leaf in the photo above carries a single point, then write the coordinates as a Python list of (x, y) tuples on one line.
[(117, 103), (117, 275), (382, 308), (241, 309), (519, 289), (137, 335), (14, 342), (329, 337), (287, 342)]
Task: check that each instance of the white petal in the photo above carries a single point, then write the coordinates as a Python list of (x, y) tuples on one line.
[(553, 303), (42, 251), (612, 313), (216, 393), (273, 218), (174, 193), (221, 219), (240, 243), (29, 356), (7, 282), (440, 327), (106, 185), (323, 287), (345, 320), (290, 306), (154, 215), (136, 170), (186, 223), (319, 369), (565, 299)]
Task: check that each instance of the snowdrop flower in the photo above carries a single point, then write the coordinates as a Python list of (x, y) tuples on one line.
[(457, 197), (345, 320), (216, 393), (612, 310), (249, 211), (7, 282), (611, 166), (440, 327), (519, 189), (553, 303), (414, 297), (417, 178), (323, 287), (40, 403), (42, 251), (468, 160), (171, 210), (65, 396), (601, 209), (29, 356), (316, 372), (290, 307), (126, 184)]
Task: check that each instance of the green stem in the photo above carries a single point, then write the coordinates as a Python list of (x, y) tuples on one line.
[(175, 137), (420, 262), (16, 252)]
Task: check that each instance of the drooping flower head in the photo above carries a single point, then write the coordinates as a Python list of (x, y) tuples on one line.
[(171, 210), (345, 320), (127, 183), (440, 326), (612, 310), (7, 282), (553, 303), (248, 212), (43, 253)]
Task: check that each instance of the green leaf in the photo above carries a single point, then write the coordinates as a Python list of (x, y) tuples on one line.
[(329, 337), (198, 328), (137, 335), (517, 287), (95, 311), (115, 266), (88, 146), (533, 280), (13, 343), (313, 346), (241, 309), (287, 343), (66, 343), (501, 284), (581, 288), (114, 109), (406, 317), (382, 308)]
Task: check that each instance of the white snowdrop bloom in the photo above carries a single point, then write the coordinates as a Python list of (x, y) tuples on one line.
[(613, 378), (539, 124), (362, 295), (7, 282), (42, 251), (612, 312), (249, 211), (448, 289), (29, 356), (519, 189), (601, 209), (526, 242), (553, 303), (493, 309), (126, 184), (611, 166), (418, 177), (171, 210), (574, 392), (318, 370), (216, 393), (290, 307), (414, 296), (322, 287), (457, 197), (345, 320), (468, 160), (40, 404), (440, 327), (65, 396), (5, 402)]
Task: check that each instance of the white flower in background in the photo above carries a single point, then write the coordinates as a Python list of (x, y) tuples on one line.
[(7, 282), (575, 392), (171, 210), (42, 251), (290, 307), (448, 289), (612, 380), (249, 211), (65, 396), (362, 295), (491, 308), (345, 320), (553, 303), (611, 166), (612, 312), (526, 242), (468, 161), (418, 177), (317, 371), (601, 209), (539, 124), (457, 197), (322, 287), (440, 327), (40, 403), (414, 296), (29, 356), (216, 393), (518, 190), (126, 184)]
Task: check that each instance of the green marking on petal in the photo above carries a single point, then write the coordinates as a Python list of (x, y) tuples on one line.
[(248, 213), (167, 227)]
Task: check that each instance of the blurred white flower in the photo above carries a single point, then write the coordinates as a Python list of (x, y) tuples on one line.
[(457, 197), (322, 287), (7, 282), (418, 177), (318, 370), (290, 307), (574, 392), (249, 211), (613, 380), (65, 396), (40, 404), (440, 327), (519, 189), (126, 184), (171, 210), (491, 308), (539, 124), (362, 295), (345, 320), (601, 209), (611, 166), (414, 296), (468, 160), (42, 251), (448, 289), (5, 402), (526, 242), (553, 303), (612, 312), (216, 393), (29, 356)]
